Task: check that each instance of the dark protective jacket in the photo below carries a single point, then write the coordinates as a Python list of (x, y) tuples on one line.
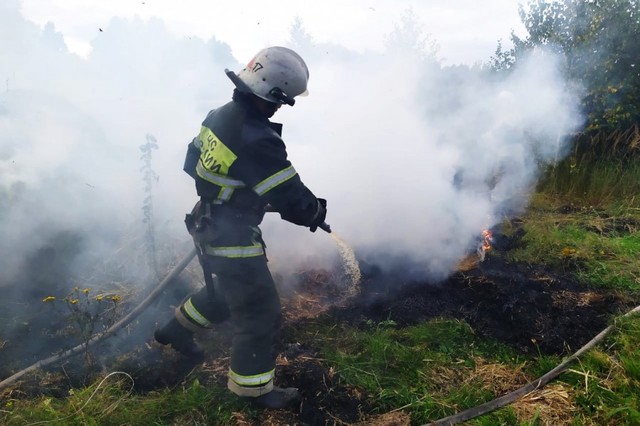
[(242, 166)]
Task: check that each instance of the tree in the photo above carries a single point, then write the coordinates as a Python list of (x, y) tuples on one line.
[(600, 41)]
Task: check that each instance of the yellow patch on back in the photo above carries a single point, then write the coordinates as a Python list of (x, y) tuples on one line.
[(215, 156)]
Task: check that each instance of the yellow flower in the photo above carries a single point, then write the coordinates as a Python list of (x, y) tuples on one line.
[(73, 301), (116, 298), (99, 297), (49, 299), (85, 291)]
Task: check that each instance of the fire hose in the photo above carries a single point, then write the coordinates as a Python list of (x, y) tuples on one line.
[(111, 330), (122, 322), (511, 397)]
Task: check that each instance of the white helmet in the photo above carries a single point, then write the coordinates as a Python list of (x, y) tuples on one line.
[(276, 74)]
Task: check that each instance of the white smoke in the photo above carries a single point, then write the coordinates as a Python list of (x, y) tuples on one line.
[(414, 158), (417, 159)]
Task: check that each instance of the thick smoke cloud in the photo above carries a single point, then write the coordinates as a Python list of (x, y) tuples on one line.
[(414, 158), (417, 159)]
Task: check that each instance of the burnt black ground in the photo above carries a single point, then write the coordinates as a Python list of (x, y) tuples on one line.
[(524, 306), (529, 308), (532, 309)]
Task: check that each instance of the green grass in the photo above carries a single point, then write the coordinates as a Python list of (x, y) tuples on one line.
[(112, 404), (594, 182), (433, 370), (601, 247), (428, 370), (440, 367), (601, 170), (606, 381)]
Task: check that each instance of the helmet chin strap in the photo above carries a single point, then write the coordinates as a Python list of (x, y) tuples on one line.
[(276, 92)]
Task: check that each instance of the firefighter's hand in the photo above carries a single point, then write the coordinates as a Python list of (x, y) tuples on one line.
[(321, 214)]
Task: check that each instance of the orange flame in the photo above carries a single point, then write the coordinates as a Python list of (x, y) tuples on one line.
[(485, 244)]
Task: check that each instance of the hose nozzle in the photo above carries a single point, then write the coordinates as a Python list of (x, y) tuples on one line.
[(325, 227)]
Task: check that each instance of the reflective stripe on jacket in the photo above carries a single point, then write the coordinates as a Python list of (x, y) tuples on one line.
[(243, 165)]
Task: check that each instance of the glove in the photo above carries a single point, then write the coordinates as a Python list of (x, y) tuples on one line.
[(321, 214)]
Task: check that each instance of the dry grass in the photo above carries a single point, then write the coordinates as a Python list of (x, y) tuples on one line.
[(551, 405), (394, 418), (585, 298), (445, 377), (240, 419), (497, 378), (468, 263), (316, 293), (216, 369)]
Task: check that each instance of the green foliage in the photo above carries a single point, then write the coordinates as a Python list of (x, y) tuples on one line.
[(593, 182), (600, 170), (599, 41), (85, 315)]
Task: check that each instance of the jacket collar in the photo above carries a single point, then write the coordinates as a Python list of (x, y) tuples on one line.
[(244, 101)]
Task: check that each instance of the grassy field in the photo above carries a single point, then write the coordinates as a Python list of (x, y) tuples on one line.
[(419, 373)]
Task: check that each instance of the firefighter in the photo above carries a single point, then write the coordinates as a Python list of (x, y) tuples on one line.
[(240, 166)]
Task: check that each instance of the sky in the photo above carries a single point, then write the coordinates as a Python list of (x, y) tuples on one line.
[(465, 30), (415, 156)]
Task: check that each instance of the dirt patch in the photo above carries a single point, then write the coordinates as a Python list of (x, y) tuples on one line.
[(325, 399), (523, 306)]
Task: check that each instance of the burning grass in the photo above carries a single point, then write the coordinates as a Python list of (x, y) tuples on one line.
[(394, 353)]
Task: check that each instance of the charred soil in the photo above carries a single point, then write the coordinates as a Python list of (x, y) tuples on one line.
[(525, 306)]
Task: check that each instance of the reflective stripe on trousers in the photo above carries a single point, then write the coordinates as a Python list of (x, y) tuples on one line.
[(254, 250), (252, 386), (246, 294), (190, 318)]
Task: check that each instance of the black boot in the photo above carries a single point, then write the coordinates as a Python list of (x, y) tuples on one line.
[(278, 398), (180, 339)]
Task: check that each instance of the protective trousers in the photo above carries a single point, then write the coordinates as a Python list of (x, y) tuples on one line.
[(244, 292)]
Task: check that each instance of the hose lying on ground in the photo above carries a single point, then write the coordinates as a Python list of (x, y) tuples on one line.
[(507, 399), (111, 330)]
